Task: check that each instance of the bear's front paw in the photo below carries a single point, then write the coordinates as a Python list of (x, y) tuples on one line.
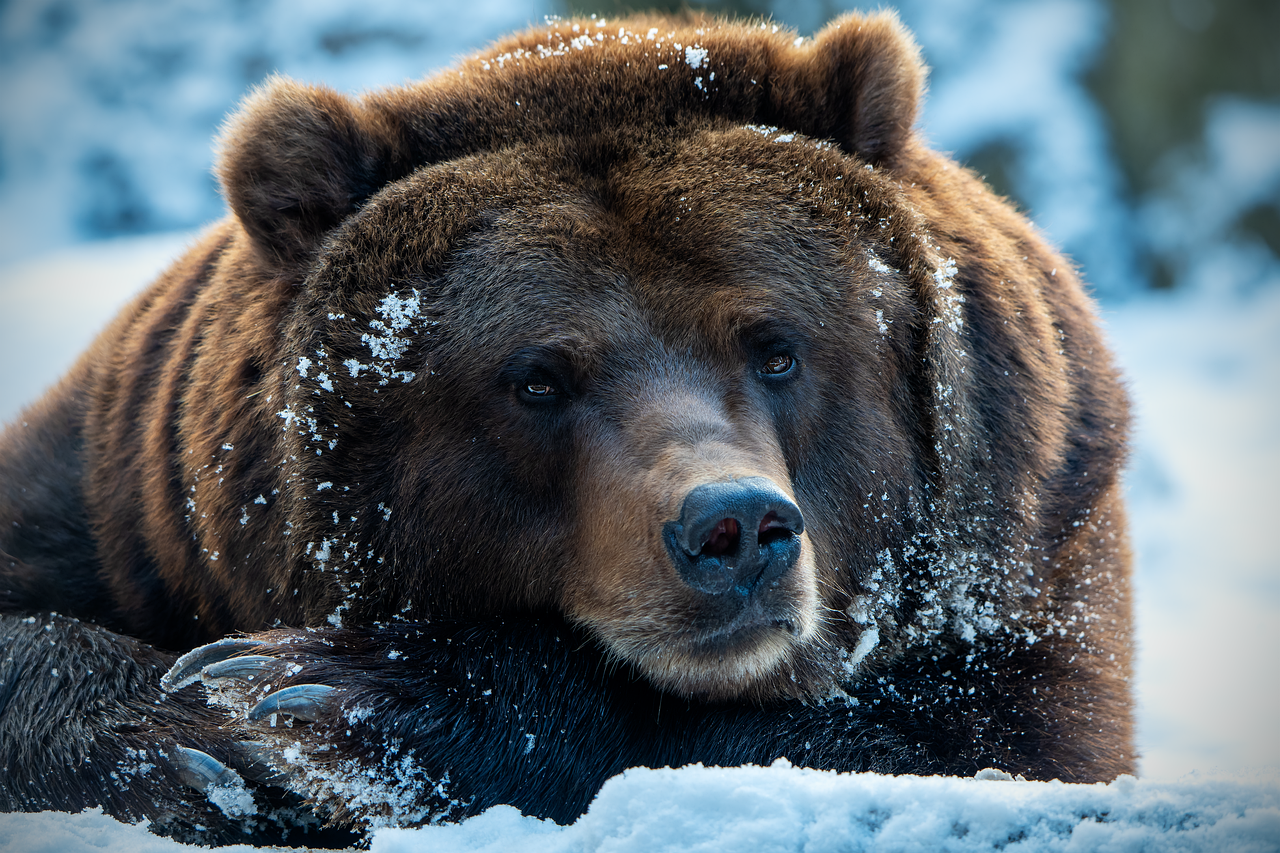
[(316, 714)]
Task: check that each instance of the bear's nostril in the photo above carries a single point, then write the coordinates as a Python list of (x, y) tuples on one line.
[(773, 529), (723, 539), (771, 522)]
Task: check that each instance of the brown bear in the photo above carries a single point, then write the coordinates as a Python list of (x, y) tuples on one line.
[(634, 393)]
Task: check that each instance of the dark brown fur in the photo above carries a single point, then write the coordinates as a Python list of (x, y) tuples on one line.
[(214, 464)]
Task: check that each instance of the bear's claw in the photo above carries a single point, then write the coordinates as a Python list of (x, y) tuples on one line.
[(187, 669), (307, 702), (245, 668), (201, 771)]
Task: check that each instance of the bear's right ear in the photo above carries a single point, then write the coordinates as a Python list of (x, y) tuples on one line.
[(861, 86), (295, 161)]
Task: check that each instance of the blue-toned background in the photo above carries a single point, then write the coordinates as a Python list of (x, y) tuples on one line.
[(1143, 136)]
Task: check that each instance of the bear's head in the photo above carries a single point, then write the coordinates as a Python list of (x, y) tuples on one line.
[(666, 329)]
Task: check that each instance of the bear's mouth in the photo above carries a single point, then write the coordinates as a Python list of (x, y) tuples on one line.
[(726, 663), (749, 630), (725, 623), (738, 597)]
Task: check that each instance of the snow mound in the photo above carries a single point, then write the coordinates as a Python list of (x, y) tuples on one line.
[(784, 808)]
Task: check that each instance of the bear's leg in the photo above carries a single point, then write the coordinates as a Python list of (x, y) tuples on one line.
[(412, 723), (84, 723)]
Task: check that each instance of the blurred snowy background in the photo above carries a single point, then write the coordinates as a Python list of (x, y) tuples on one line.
[(1124, 128), (1143, 136)]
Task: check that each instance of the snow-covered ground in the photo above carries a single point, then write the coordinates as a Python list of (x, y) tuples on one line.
[(781, 809), (1204, 372)]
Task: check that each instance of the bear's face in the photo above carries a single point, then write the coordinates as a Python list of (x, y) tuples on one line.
[(652, 399), (758, 406)]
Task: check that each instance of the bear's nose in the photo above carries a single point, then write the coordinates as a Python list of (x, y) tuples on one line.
[(734, 536)]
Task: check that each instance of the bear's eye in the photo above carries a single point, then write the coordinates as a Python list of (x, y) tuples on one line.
[(539, 390), (539, 377), (779, 364)]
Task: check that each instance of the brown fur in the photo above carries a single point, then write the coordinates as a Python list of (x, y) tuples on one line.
[(953, 436)]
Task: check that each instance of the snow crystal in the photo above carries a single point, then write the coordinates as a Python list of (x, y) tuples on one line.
[(387, 343), (232, 798), (859, 609), (696, 57), (391, 792), (398, 314), (867, 641), (878, 265), (358, 714), (136, 762), (949, 311)]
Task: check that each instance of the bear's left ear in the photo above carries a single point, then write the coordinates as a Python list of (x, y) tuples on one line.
[(861, 85), (294, 162)]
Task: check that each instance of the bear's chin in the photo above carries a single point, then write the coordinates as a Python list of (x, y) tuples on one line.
[(750, 661), (748, 656), (715, 646)]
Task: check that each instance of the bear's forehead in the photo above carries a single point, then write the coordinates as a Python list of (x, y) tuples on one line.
[(587, 273), (690, 240), (727, 210)]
